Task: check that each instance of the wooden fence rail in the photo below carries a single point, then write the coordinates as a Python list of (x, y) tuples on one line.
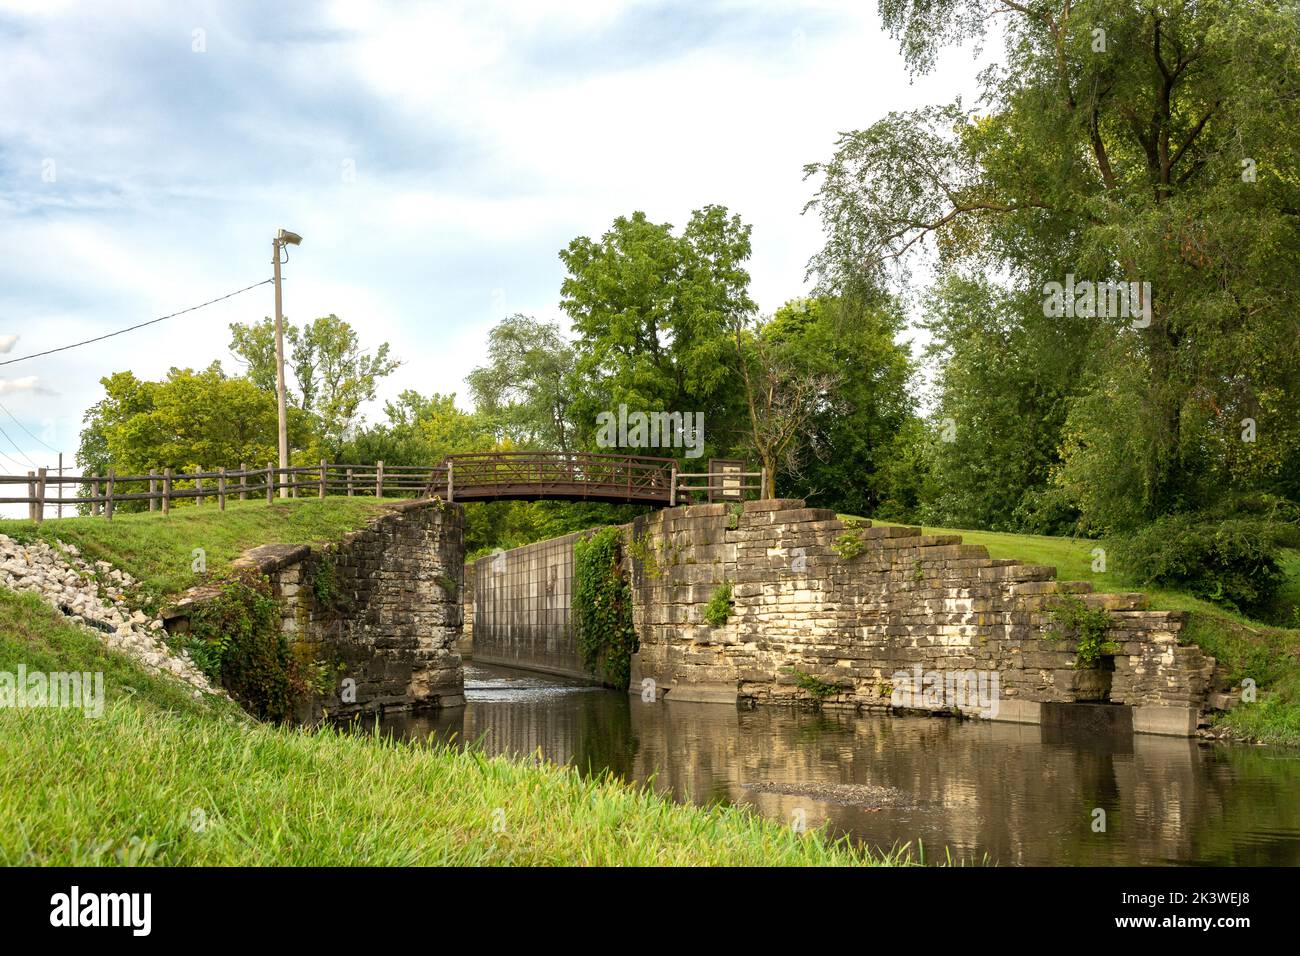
[(495, 476)]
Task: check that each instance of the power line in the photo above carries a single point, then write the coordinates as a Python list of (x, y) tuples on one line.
[(19, 450), (24, 428), (64, 348)]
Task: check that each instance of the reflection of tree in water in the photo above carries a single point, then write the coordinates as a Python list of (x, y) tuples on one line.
[(1248, 792), (603, 735)]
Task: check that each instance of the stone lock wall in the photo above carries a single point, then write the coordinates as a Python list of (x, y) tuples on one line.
[(908, 600), (387, 614)]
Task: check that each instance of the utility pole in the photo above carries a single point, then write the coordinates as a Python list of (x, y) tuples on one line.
[(282, 239)]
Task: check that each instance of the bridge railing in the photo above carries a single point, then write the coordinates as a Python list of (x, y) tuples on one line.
[(631, 476)]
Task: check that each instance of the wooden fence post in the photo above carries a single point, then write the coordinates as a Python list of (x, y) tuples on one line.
[(322, 478), (198, 486), (379, 479), (31, 496), (94, 493), (243, 481), (40, 495), (672, 495), (167, 491), (270, 484), (153, 489), (221, 488), (349, 482), (108, 494), (451, 481)]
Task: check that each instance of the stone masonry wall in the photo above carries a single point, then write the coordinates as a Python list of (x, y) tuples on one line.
[(907, 600), (386, 614)]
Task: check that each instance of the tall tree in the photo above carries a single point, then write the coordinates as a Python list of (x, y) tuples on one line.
[(1155, 143), (527, 386), (329, 374), (654, 314), (852, 343), (189, 421)]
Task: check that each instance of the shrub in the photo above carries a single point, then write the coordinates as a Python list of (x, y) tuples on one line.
[(815, 687), (1234, 563), (720, 605), (235, 638), (602, 606), (1045, 510)]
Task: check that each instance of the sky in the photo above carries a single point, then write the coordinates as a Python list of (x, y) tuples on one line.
[(435, 158)]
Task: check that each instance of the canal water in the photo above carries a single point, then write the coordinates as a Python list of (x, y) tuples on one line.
[(966, 791)]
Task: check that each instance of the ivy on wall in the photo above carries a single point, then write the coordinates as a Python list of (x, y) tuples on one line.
[(235, 638), (602, 606)]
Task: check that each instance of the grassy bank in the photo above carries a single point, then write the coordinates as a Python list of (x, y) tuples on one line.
[(162, 778), (1268, 654), (159, 551)]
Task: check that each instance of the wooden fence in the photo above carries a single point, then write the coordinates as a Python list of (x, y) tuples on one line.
[(105, 493)]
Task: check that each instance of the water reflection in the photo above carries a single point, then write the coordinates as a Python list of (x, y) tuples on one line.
[(1011, 794)]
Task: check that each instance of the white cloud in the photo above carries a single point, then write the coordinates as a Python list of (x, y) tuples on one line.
[(26, 384)]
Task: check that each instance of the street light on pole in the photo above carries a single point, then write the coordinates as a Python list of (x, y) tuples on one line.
[(283, 238)]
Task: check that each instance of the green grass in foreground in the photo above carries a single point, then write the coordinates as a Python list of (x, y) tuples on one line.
[(162, 778), (159, 551), (1244, 647)]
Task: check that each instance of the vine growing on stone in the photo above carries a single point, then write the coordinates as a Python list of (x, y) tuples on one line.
[(602, 606), (235, 638)]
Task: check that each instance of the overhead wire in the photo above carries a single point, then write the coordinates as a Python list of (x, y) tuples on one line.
[(132, 328)]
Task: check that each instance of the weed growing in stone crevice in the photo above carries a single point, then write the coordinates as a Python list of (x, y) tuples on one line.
[(324, 583), (1071, 616), (235, 638), (641, 548), (734, 511), (602, 606), (849, 544), (814, 686), (721, 604)]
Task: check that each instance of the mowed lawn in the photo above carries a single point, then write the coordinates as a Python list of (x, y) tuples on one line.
[(160, 550)]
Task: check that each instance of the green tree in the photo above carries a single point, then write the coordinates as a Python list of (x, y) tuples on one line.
[(1144, 143), (526, 388), (188, 422), (655, 317), (850, 345), (332, 375), (1005, 383)]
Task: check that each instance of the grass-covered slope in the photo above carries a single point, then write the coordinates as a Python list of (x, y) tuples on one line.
[(1268, 654), (163, 778), (160, 551)]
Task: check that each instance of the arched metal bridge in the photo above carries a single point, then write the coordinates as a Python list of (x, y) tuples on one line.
[(582, 476)]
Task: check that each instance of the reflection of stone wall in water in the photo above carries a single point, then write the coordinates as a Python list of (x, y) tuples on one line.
[(807, 618), (1005, 788)]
